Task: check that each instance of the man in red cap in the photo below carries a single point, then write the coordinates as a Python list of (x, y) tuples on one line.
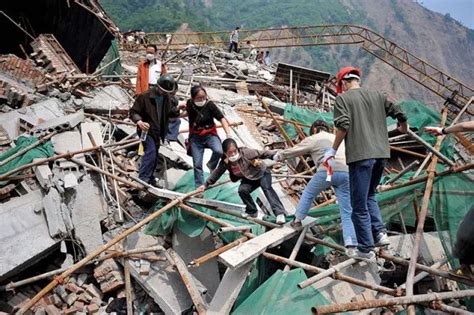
[(360, 119)]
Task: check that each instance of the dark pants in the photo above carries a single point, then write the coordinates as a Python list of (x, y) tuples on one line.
[(233, 46), (364, 177), (198, 145), (149, 160), (248, 186)]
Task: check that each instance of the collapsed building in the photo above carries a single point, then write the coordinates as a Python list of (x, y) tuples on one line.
[(81, 234)]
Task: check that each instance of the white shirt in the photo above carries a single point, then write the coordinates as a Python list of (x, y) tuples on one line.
[(154, 72), (234, 36)]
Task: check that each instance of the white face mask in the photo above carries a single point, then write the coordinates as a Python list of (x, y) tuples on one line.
[(150, 57), (234, 158), (200, 104)]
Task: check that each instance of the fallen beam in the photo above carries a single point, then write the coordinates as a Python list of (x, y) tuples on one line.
[(327, 273)]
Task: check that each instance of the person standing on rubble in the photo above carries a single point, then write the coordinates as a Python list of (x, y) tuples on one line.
[(151, 112), (149, 70), (267, 60), (320, 140), (234, 40), (245, 164), (203, 131), (360, 119)]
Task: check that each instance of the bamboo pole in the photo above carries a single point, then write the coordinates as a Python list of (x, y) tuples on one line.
[(128, 287), (456, 169), (233, 124), (357, 306), (450, 309), (434, 150), (27, 148), (407, 152), (62, 156), (103, 248), (403, 172), (327, 273), (297, 247), (201, 260), (422, 217)]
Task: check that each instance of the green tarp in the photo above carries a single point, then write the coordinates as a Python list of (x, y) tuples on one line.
[(44, 150), (281, 295)]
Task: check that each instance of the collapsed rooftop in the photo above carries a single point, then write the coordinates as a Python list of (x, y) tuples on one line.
[(73, 211)]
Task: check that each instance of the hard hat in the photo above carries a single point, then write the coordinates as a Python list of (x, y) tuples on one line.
[(346, 73)]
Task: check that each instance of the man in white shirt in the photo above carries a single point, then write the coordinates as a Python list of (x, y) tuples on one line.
[(234, 40)]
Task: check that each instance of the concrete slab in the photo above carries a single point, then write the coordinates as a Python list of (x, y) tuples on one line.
[(59, 124), (86, 212), (431, 248), (108, 98), (163, 283), (173, 175), (52, 210), (95, 129), (24, 234), (229, 290), (67, 141), (190, 248)]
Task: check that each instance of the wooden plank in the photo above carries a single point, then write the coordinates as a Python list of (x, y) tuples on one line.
[(246, 252), (229, 290)]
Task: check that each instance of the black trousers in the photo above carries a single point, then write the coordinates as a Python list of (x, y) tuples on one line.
[(248, 186), (233, 45)]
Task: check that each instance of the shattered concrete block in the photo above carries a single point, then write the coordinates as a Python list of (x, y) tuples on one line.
[(71, 310), (43, 175), (70, 180), (109, 276), (86, 214), (24, 234), (54, 217), (64, 142), (79, 305), (109, 98), (59, 124)]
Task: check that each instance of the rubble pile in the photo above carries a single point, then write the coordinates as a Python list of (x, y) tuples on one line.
[(74, 212)]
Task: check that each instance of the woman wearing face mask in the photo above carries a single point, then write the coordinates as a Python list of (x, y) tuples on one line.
[(244, 164), (203, 131)]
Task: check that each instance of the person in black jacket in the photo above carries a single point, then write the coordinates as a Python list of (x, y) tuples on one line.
[(244, 164), (203, 135), (151, 112)]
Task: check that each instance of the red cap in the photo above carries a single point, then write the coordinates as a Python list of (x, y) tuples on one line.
[(342, 73)]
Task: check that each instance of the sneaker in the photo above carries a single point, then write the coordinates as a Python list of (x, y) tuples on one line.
[(280, 219), (382, 240), (296, 224), (351, 251), (369, 257), (210, 168)]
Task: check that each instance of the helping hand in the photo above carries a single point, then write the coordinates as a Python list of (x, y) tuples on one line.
[(437, 131)]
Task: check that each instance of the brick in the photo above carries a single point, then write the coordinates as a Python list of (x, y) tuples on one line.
[(40, 311), (93, 291), (72, 287), (71, 310), (71, 298), (85, 297), (52, 310), (79, 305), (93, 308)]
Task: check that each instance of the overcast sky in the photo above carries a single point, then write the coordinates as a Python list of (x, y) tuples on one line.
[(461, 10)]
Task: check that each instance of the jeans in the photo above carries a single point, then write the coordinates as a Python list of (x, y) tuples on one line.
[(340, 182), (149, 160), (173, 130), (233, 45), (198, 144), (248, 186), (364, 177)]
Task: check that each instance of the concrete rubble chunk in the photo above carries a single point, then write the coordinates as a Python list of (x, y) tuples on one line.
[(109, 98), (53, 213), (67, 141), (86, 213), (59, 124), (24, 234), (43, 175), (70, 180), (189, 248)]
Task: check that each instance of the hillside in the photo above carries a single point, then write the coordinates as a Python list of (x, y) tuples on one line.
[(440, 39)]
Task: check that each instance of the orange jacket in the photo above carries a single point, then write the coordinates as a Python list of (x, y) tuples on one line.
[(142, 76)]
